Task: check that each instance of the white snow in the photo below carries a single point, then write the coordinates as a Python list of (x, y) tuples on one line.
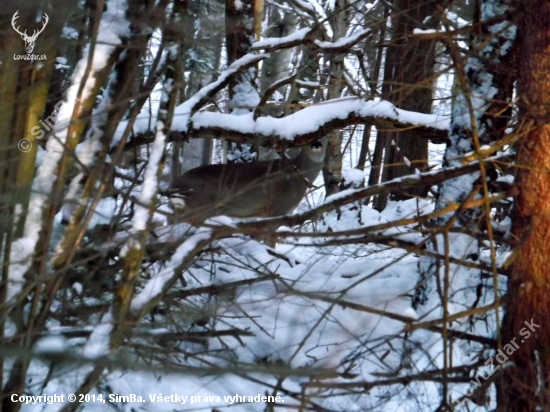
[(421, 31), (149, 186), (343, 42), (275, 41), (50, 344), (311, 118), (98, 342), (298, 307), (354, 177), (155, 286)]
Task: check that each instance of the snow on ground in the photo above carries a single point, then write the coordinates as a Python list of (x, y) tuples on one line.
[(295, 321)]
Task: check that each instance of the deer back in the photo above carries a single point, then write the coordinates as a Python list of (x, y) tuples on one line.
[(260, 188)]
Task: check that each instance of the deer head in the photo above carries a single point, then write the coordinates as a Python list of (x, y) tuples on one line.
[(29, 40), (256, 189)]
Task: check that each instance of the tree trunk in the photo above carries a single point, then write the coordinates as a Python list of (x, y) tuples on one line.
[(332, 173), (239, 36), (240, 24), (413, 86), (275, 68), (525, 386), (409, 80)]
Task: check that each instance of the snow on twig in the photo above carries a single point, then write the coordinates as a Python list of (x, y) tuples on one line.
[(155, 286)]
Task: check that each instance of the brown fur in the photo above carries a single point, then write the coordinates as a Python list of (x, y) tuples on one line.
[(256, 189)]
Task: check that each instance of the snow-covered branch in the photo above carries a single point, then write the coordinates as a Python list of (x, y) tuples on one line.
[(301, 127), (303, 37)]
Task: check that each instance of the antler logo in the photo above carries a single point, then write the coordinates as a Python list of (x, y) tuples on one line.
[(29, 40)]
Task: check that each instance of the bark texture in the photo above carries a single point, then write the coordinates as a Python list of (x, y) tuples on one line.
[(525, 387), (409, 84), (413, 82)]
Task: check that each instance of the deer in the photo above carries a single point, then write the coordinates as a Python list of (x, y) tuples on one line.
[(29, 40), (242, 190)]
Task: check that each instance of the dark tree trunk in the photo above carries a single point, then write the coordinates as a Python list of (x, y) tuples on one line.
[(409, 76)]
